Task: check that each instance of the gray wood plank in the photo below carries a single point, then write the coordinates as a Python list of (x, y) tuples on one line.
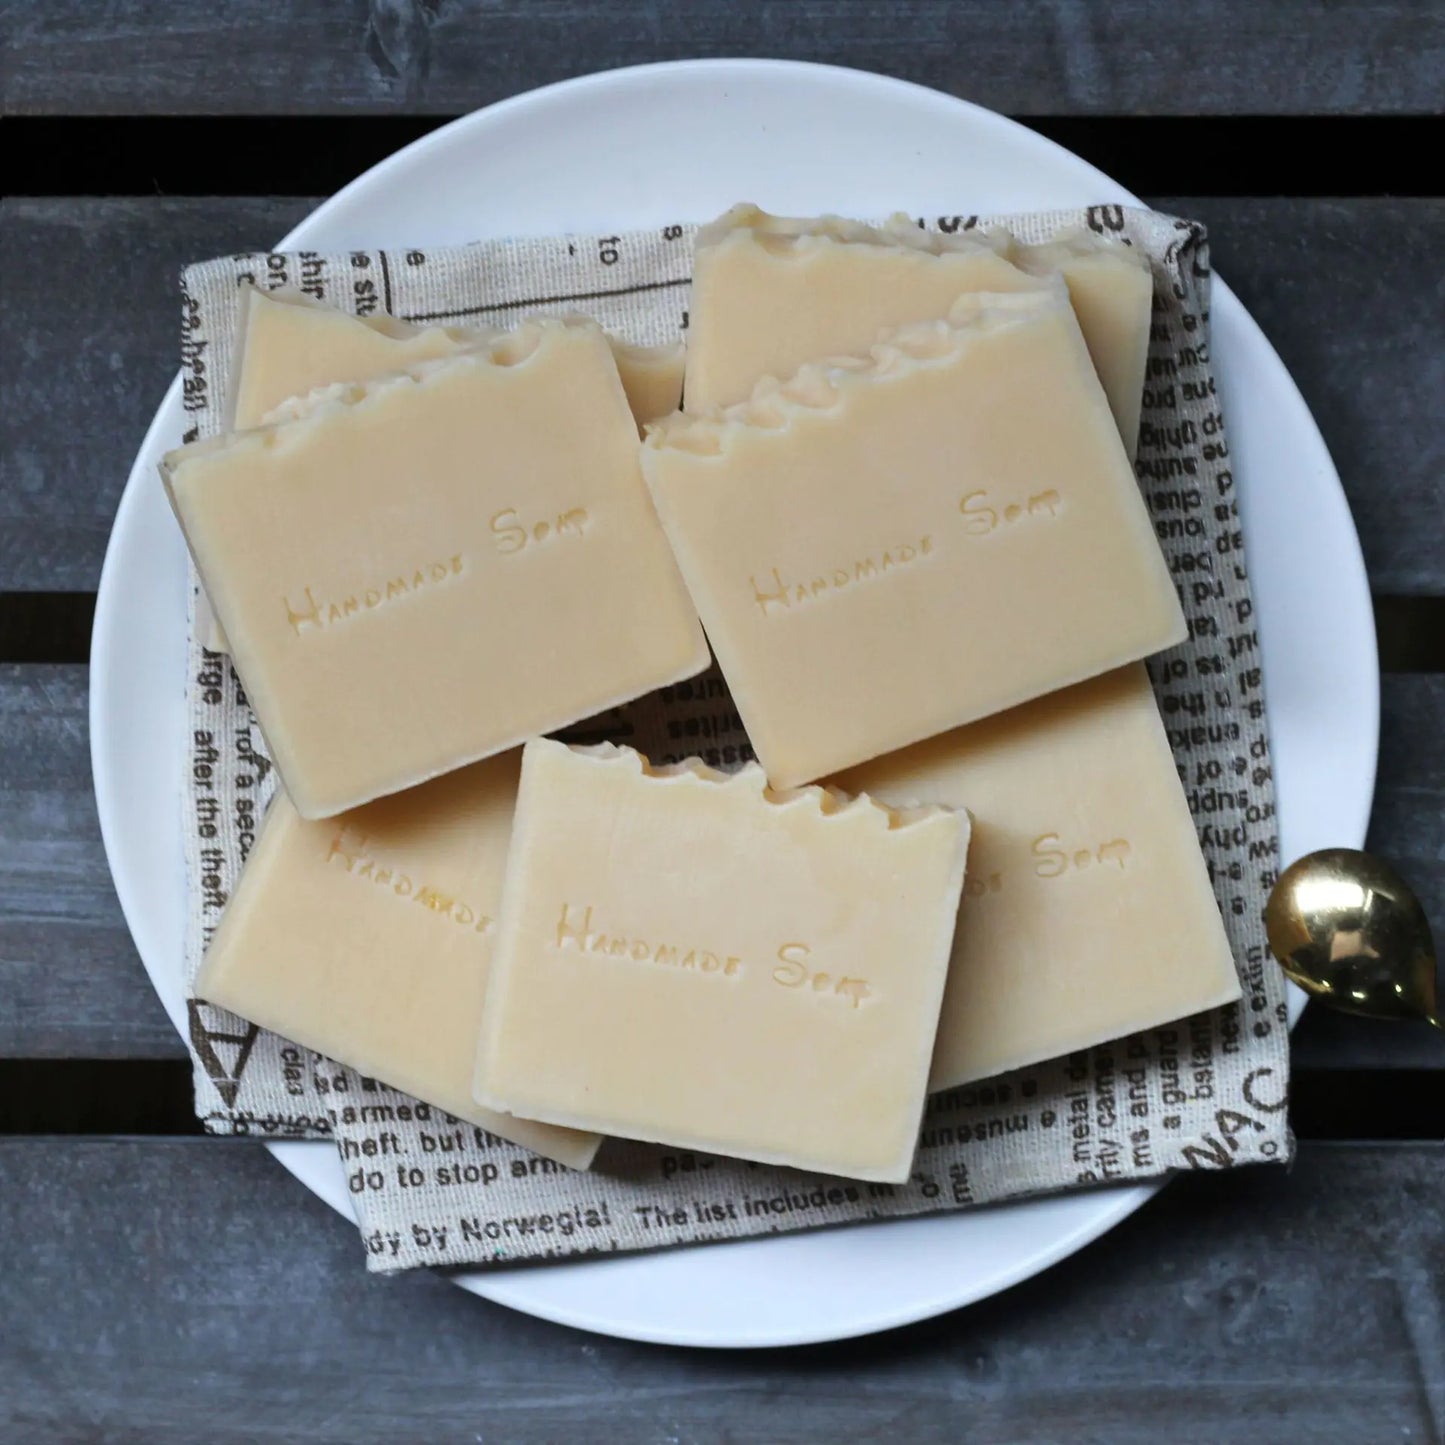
[(71, 984), (1407, 828), (172, 1291), (1040, 57), (1349, 293), (73, 987), (1346, 289), (89, 330)]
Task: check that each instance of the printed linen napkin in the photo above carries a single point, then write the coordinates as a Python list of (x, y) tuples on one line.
[(1206, 1093)]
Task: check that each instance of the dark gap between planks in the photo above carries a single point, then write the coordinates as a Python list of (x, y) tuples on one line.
[(1411, 633), (315, 155), (153, 1096), (96, 1096), (45, 626), (55, 627)]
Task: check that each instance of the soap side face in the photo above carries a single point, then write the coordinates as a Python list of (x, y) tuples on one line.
[(681, 960), (368, 938), (1088, 912), (945, 538), (428, 575)]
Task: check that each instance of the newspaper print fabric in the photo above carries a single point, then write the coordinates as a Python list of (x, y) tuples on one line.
[(1206, 1093)]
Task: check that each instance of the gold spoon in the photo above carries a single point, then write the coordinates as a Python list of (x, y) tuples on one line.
[(1347, 928)]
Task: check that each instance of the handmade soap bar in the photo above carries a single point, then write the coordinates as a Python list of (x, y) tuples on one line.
[(1111, 288), (288, 345), (366, 937), (687, 957), (883, 549), (770, 294), (426, 569), (1088, 912)]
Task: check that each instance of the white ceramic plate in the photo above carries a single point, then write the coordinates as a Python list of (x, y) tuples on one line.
[(642, 147)]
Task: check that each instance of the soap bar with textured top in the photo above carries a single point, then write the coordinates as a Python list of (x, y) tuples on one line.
[(426, 569), (688, 957), (772, 293), (367, 938), (1088, 912), (884, 549), (289, 345)]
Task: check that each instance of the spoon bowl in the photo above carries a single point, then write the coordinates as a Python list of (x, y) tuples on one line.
[(1349, 930)]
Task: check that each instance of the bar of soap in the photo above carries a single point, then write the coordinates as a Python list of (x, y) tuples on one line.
[(289, 345), (1111, 289), (771, 293), (423, 570), (688, 957), (1088, 912), (367, 938), (884, 549)]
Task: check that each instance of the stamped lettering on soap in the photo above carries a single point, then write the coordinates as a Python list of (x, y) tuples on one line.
[(777, 594), (319, 615), (513, 535), (352, 850), (1051, 857), (981, 517), (795, 970), (980, 885), (575, 930)]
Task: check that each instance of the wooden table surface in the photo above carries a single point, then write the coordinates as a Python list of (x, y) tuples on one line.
[(159, 1286)]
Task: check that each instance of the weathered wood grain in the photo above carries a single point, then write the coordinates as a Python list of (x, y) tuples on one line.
[(71, 984), (1349, 293), (89, 332), (1346, 289), (1038, 57), (173, 1291), (1407, 828)]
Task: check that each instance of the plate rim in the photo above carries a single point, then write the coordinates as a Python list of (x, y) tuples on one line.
[(498, 1285)]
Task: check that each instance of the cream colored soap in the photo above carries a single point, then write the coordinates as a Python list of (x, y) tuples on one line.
[(687, 957), (289, 345), (651, 376), (771, 293), (367, 938), (1088, 912), (882, 550), (426, 569), (1111, 288)]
